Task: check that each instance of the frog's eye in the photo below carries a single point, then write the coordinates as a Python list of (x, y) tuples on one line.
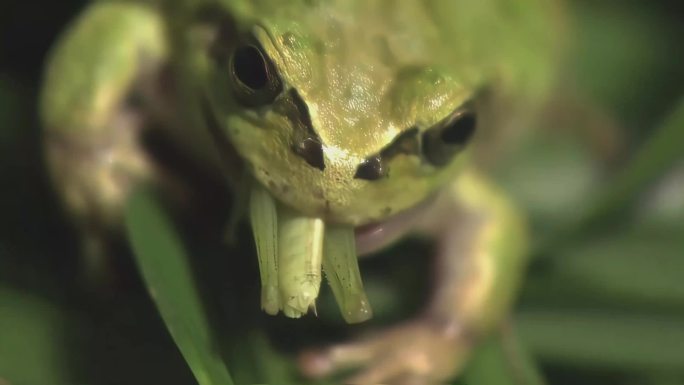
[(249, 67), (255, 80), (445, 140)]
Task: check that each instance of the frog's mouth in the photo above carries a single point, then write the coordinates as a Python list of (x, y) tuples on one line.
[(293, 249), (377, 235)]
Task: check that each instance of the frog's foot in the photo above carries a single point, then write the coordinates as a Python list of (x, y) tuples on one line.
[(93, 173), (419, 352), (93, 176)]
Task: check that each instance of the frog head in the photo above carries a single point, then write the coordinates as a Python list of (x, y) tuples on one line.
[(347, 123)]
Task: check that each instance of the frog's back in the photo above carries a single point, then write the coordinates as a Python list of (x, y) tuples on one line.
[(510, 47), (512, 41)]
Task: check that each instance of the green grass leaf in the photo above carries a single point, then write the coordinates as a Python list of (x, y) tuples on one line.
[(165, 267), (654, 158), (604, 339), (502, 360), (657, 156), (641, 268), (31, 341)]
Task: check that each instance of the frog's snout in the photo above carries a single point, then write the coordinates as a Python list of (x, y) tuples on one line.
[(311, 150)]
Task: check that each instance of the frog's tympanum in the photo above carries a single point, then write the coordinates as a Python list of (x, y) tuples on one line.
[(346, 125)]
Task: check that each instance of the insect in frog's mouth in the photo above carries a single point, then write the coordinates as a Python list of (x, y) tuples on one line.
[(294, 248)]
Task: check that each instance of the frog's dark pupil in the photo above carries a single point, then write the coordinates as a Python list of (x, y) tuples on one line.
[(250, 67), (460, 130)]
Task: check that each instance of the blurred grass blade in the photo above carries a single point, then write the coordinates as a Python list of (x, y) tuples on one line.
[(653, 159), (605, 339), (165, 268), (640, 268), (502, 360), (32, 340)]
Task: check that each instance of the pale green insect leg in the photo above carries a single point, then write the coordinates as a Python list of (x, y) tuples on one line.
[(264, 221), (300, 250), (341, 267)]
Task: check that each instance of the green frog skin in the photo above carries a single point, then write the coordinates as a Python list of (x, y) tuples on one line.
[(382, 116)]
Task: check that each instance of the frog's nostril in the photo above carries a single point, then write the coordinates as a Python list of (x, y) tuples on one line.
[(311, 151), (371, 169)]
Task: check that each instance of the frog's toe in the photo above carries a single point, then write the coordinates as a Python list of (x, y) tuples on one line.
[(415, 353), (323, 362)]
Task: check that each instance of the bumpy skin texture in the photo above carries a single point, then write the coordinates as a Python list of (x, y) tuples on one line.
[(354, 78), (368, 71)]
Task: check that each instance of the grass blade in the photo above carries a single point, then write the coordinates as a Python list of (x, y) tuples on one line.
[(165, 268), (658, 155), (605, 339), (502, 360)]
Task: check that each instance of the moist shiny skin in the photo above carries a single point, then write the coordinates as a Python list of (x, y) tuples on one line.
[(354, 77), (352, 113)]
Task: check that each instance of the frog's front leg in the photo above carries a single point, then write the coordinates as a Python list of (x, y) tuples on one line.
[(482, 245), (92, 130)]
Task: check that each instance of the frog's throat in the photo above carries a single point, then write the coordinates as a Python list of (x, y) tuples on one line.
[(374, 236), (292, 248)]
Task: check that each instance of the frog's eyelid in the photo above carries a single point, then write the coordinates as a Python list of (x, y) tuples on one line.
[(460, 129), (415, 142), (407, 142), (267, 89), (441, 142)]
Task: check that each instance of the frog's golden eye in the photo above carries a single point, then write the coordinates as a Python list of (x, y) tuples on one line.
[(445, 140), (255, 80)]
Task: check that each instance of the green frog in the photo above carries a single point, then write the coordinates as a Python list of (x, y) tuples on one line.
[(344, 124)]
